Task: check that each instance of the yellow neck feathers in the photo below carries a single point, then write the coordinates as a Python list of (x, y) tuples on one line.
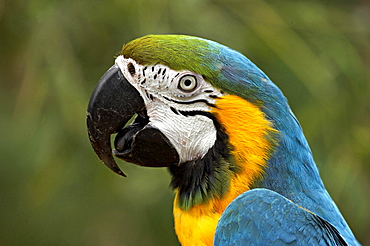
[(247, 129)]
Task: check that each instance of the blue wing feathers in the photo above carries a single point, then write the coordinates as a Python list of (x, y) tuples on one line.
[(264, 217)]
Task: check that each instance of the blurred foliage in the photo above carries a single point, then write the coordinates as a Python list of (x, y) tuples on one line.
[(53, 189)]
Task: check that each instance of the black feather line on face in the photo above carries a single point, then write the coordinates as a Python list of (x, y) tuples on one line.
[(192, 102), (205, 178)]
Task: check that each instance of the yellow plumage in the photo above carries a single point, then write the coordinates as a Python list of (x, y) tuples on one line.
[(247, 129)]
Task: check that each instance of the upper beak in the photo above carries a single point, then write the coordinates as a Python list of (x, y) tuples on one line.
[(113, 102)]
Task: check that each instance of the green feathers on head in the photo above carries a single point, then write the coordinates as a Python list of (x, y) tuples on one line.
[(223, 67), (178, 52)]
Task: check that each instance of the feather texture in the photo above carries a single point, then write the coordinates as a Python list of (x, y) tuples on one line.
[(264, 217)]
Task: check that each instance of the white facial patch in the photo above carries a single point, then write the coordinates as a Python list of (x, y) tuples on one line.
[(175, 101)]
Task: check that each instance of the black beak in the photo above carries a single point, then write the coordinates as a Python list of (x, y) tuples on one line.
[(112, 104)]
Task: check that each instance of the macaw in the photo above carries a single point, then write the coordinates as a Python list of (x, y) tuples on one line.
[(242, 170)]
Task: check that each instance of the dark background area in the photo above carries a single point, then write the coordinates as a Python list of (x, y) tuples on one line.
[(54, 190)]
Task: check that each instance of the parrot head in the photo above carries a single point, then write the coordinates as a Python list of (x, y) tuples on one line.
[(198, 112), (200, 108)]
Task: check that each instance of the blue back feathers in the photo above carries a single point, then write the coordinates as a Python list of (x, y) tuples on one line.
[(291, 171)]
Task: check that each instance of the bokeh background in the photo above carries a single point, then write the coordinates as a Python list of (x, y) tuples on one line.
[(54, 190)]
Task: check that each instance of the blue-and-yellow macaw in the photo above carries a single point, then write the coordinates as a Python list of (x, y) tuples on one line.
[(241, 167)]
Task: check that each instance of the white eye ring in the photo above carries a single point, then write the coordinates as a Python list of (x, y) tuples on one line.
[(187, 83)]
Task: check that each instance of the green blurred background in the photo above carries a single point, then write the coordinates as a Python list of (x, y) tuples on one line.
[(54, 190)]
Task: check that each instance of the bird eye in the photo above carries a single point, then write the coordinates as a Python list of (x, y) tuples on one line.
[(187, 83)]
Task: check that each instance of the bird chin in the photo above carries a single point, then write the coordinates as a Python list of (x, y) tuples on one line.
[(144, 145)]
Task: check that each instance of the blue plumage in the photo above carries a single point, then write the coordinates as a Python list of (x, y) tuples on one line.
[(291, 170), (264, 217)]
